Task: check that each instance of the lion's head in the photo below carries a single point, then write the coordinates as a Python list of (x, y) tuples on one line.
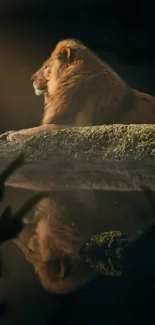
[(64, 80), (40, 79), (66, 53), (75, 80)]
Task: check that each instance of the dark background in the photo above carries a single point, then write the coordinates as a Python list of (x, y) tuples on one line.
[(122, 33)]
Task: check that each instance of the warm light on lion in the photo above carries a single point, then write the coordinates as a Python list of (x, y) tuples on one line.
[(80, 89)]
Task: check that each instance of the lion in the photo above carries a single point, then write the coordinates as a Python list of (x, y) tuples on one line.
[(82, 90), (79, 90)]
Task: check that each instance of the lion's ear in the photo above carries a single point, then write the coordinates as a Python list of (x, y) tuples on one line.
[(47, 72), (66, 55)]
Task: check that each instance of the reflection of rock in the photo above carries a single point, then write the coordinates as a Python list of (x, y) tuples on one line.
[(106, 253), (113, 254)]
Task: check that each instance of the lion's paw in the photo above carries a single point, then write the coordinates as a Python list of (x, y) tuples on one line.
[(11, 136), (4, 136)]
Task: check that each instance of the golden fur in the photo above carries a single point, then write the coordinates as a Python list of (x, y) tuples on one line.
[(80, 89)]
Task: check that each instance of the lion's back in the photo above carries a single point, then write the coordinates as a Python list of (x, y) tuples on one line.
[(143, 111)]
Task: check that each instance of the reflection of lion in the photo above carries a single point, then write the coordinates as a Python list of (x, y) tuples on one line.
[(80, 89), (52, 242)]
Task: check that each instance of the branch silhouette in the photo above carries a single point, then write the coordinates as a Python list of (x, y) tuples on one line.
[(12, 224)]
